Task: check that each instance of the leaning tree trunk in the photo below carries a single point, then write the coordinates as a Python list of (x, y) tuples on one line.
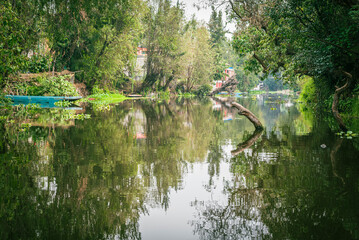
[(251, 117), (335, 104), (243, 111)]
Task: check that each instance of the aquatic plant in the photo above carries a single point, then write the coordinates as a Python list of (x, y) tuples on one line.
[(347, 135)]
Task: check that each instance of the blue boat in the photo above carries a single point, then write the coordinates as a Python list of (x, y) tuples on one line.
[(43, 101), (40, 99)]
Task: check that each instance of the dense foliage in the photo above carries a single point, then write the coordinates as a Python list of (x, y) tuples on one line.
[(180, 52), (98, 38), (43, 86), (286, 40), (164, 28), (16, 36), (293, 38)]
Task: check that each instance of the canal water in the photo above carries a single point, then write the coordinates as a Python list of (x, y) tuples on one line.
[(179, 169)]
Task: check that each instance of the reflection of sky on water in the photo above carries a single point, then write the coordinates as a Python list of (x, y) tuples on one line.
[(177, 222), (48, 185)]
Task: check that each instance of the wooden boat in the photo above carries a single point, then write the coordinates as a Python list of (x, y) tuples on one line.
[(40, 99)]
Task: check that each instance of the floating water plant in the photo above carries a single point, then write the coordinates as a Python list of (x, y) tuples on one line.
[(82, 116), (348, 134), (63, 103)]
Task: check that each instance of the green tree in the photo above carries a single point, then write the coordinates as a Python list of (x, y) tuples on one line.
[(164, 27), (218, 38), (99, 38), (197, 61), (17, 36), (314, 38)]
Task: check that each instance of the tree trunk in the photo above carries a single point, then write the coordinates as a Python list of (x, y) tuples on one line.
[(251, 117), (243, 111), (104, 46), (168, 83), (335, 104)]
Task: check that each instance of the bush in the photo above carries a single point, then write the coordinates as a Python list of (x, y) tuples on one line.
[(308, 94), (38, 63), (203, 90), (97, 90), (164, 95), (180, 88), (43, 86), (53, 86)]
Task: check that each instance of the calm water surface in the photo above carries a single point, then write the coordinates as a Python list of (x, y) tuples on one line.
[(183, 169)]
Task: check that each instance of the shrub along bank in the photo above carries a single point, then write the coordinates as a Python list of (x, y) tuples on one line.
[(42, 86)]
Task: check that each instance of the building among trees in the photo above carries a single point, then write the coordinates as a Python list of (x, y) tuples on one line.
[(140, 68)]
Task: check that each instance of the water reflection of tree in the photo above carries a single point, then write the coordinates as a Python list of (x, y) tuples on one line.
[(230, 220), (100, 176), (283, 189), (177, 134)]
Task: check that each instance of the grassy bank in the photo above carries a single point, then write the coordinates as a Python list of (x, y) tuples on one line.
[(105, 98)]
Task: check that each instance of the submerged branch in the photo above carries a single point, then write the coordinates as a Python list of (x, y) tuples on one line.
[(333, 152)]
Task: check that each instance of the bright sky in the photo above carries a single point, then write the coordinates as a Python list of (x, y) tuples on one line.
[(203, 14)]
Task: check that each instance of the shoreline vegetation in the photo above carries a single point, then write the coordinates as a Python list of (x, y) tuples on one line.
[(151, 49)]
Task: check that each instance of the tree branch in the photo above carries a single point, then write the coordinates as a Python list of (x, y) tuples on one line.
[(235, 10), (261, 62), (333, 44)]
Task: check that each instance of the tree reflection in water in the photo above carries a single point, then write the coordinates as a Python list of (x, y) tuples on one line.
[(94, 179), (281, 192)]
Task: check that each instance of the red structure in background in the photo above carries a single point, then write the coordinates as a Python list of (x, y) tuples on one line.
[(141, 51), (229, 73), (219, 84)]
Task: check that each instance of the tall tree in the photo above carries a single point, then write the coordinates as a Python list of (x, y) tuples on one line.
[(164, 26), (216, 27), (97, 37), (197, 63), (217, 31)]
